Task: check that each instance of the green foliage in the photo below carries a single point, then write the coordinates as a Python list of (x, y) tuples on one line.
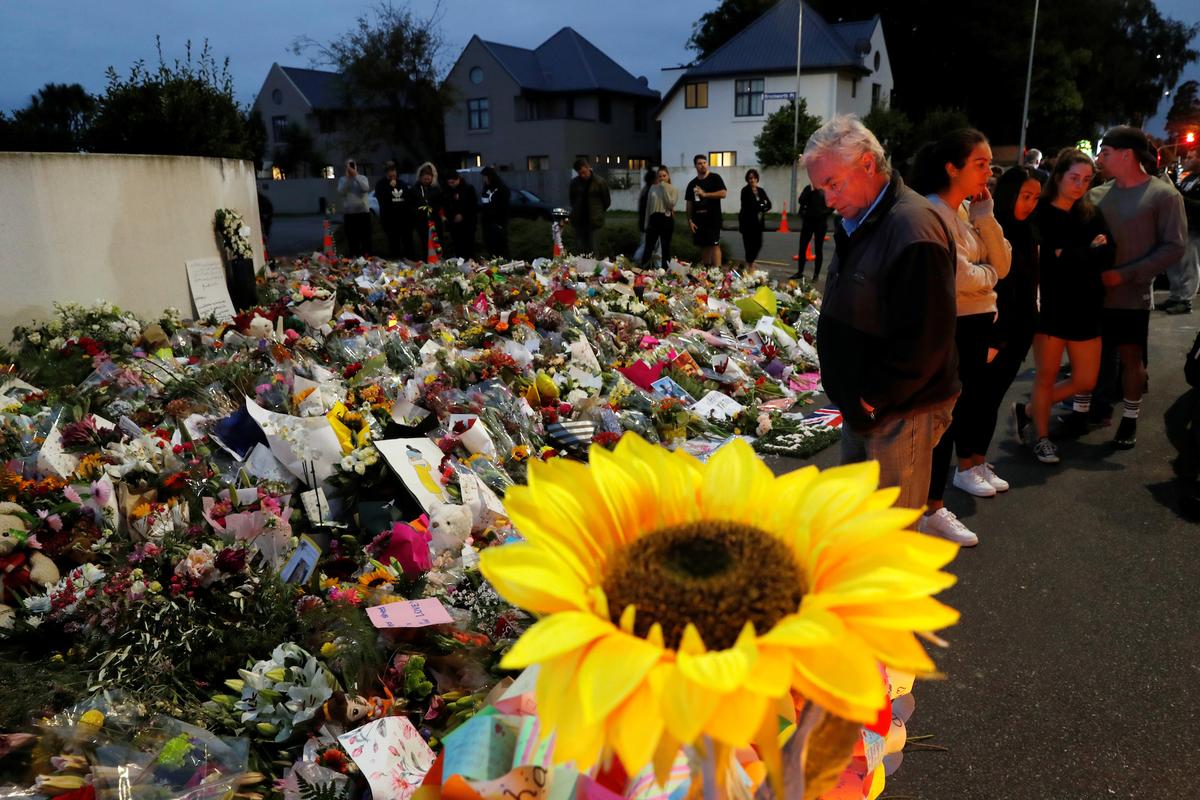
[(55, 121), (936, 124), (1184, 114), (298, 153), (389, 78), (718, 26), (893, 129), (322, 791), (773, 145), (35, 684), (185, 108)]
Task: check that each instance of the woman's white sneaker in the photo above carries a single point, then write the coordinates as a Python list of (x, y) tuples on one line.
[(943, 523), (989, 474), (973, 482)]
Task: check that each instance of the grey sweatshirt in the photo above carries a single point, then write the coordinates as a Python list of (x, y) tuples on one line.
[(984, 255), (1149, 229), (354, 194), (661, 199)]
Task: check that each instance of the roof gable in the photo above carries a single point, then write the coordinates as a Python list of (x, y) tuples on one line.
[(320, 88), (768, 44), (567, 62)]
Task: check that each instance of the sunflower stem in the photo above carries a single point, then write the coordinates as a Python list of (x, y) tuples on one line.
[(708, 770), (794, 756)]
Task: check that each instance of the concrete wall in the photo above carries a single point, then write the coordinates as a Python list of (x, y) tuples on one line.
[(83, 227)]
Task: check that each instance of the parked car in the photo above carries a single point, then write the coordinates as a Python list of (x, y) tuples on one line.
[(527, 205)]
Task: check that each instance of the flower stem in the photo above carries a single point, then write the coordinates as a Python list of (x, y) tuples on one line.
[(708, 770)]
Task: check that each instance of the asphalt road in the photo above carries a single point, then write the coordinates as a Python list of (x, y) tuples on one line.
[(1075, 670)]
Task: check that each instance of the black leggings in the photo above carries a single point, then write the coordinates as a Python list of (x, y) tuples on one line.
[(659, 228), (970, 412), (817, 236), (358, 234), (998, 377), (752, 239)]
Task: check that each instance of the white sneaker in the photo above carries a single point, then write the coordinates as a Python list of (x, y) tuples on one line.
[(943, 523), (989, 474), (973, 482)]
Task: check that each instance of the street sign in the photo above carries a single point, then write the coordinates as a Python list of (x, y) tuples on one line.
[(779, 95)]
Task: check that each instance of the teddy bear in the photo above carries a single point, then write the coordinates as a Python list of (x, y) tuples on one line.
[(449, 525), (21, 569)]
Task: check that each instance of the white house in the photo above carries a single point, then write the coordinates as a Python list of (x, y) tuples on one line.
[(717, 106)]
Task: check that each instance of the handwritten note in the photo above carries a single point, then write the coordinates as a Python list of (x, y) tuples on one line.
[(409, 614), (481, 749), (210, 293)]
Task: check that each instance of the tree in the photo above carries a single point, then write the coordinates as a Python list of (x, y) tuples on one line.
[(724, 22), (893, 129), (390, 90), (298, 151), (773, 145), (55, 121), (1184, 114), (181, 109)]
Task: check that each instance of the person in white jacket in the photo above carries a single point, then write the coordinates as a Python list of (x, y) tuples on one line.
[(953, 173)]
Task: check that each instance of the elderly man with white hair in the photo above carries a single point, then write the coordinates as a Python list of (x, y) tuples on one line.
[(886, 330)]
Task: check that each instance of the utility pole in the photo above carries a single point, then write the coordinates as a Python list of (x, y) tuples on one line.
[(796, 100), (1028, 82)]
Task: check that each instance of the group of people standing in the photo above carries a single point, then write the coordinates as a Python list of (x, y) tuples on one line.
[(414, 217), (938, 291)]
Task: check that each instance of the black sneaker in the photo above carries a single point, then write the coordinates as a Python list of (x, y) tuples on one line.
[(1072, 426), (1100, 416), (1126, 436), (1020, 421), (1180, 307)]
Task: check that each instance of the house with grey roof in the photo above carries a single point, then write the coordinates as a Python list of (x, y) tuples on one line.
[(717, 106), (312, 99), (540, 109)]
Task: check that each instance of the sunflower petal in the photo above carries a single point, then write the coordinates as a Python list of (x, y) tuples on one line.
[(846, 671), (611, 671), (555, 635), (897, 649), (737, 717), (721, 670), (811, 627), (686, 706), (530, 578), (637, 726)]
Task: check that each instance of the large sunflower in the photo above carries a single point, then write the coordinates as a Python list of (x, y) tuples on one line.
[(681, 599)]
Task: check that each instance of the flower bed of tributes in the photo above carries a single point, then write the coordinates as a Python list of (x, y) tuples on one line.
[(243, 556)]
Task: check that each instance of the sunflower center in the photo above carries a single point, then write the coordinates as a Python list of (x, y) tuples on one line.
[(716, 575)]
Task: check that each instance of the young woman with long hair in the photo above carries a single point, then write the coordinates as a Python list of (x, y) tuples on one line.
[(1075, 249), (950, 172)]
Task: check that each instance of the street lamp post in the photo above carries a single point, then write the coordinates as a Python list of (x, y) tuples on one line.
[(796, 101), (1028, 82)]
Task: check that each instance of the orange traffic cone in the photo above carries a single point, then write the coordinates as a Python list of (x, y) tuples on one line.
[(783, 226), (556, 236), (327, 242), (808, 255), (433, 246)]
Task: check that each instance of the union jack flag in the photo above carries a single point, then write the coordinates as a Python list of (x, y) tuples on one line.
[(828, 417)]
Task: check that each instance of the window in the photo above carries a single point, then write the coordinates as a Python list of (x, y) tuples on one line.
[(854, 87), (606, 109), (472, 160), (637, 163), (327, 172), (277, 173), (695, 95), (640, 117), (877, 59), (570, 108), (722, 158), (279, 128), (876, 95), (748, 97), (478, 116), (277, 96), (476, 75), (535, 163)]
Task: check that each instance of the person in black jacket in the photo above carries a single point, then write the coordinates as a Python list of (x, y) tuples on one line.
[(1012, 331), (425, 200), (885, 336), (462, 207), (394, 214), (814, 224), (493, 202), (1075, 249), (752, 216)]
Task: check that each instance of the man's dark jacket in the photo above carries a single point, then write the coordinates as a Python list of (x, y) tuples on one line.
[(886, 330)]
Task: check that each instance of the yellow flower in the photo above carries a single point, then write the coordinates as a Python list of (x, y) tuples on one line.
[(376, 577), (680, 600)]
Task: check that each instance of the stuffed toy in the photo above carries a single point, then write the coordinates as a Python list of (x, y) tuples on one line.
[(450, 525), (21, 569)]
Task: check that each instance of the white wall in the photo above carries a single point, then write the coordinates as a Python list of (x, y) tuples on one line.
[(688, 131), (83, 227)]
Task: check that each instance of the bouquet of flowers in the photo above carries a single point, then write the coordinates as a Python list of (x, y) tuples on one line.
[(233, 233)]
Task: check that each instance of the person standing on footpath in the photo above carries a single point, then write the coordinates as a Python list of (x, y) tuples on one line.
[(1185, 275), (493, 203), (462, 209), (660, 217), (885, 335), (356, 215), (950, 172), (394, 215), (752, 217), (703, 197), (589, 201), (1076, 251), (648, 180), (1146, 217), (814, 224), (427, 207)]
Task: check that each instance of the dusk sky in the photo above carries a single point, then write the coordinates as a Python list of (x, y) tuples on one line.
[(67, 41)]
